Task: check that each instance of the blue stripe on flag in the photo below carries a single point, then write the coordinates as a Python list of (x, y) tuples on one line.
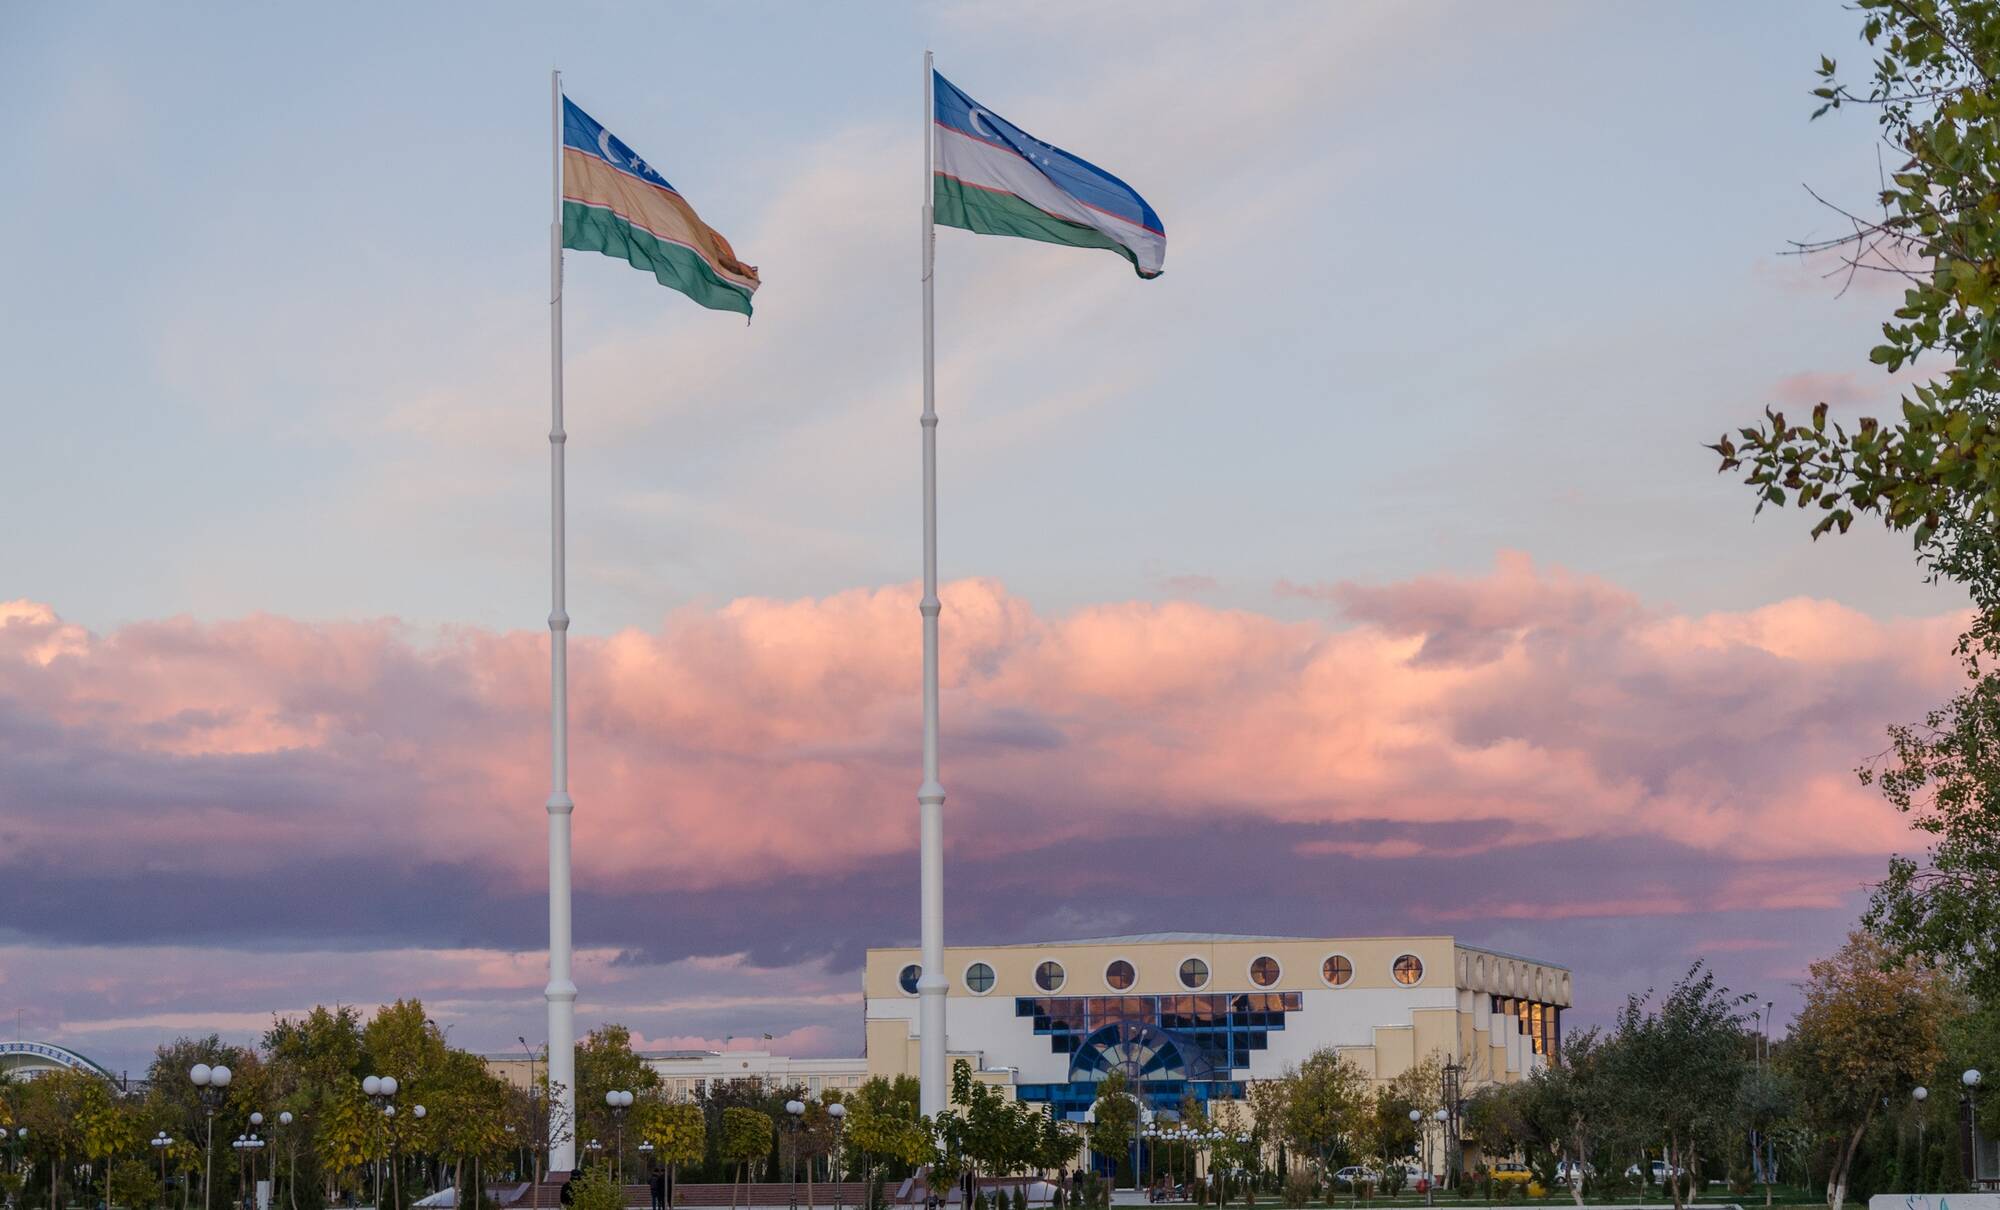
[(1074, 175), (586, 134)]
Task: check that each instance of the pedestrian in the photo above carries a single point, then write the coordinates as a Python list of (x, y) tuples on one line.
[(658, 1184), (568, 1196)]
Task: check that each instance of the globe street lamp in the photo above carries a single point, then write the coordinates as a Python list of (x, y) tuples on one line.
[(838, 1113), (256, 1120), (619, 1100), (160, 1143), (1424, 1138), (795, 1112), (292, 1169), (209, 1083), (382, 1091), (1967, 1099)]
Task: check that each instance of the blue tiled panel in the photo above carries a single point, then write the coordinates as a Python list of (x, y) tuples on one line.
[(1191, 1044)]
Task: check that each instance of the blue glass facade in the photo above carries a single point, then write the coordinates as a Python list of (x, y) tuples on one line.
[(1167, 1047)]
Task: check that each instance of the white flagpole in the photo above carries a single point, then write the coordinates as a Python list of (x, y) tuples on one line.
[(931, 984), (561, 991)]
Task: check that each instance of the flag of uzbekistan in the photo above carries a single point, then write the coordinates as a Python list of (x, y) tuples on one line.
[(614, 203), (997, 179)]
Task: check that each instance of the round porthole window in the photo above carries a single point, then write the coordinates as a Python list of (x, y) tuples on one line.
[(1409, 970), (1049, 976), (1194, 974), (1120, 975), (1264, 971), (1337, 970), (979, 978), (908, 979)]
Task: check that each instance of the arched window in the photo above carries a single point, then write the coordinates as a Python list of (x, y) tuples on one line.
[(979, 978), (1194, 974), (1119, 975), (1049, 976), (1409, 970), (1337, 970), (1264, 971)]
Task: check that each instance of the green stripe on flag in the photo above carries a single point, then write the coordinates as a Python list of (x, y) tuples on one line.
[(987, 212), (595, 229)]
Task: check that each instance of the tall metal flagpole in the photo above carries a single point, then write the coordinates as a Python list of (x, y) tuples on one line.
[(561, 991), (931, 983)]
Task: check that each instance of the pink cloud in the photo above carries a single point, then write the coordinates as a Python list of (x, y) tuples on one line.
[(767, 736)]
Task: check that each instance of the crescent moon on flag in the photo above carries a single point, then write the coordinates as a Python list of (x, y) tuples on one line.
[(604, 145), (973, 121)]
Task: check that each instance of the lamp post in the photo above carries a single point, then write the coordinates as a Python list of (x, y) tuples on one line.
[(209, 1083), (256, 1120), (1424, 1140), (1968, 1101), (838, 1113), (382, 1091), (795, 1112), (18, 1140), (292, 1157), (1918, 1096), (619, 1100), (160, 1143)]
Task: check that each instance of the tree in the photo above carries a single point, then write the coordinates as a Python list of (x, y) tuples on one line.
[(606, 1062), (1872, 1027), (883, 1122), (1324, 1100), (50, 1106), (678, 1132), (1934, 472), (746, 1135), (1681, 1063), (1114, 1118), (1576, 1101), (131, 1182), (106, 1127), (1945, 775)]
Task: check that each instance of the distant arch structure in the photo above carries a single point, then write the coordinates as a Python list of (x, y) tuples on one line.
[(26, 1060)]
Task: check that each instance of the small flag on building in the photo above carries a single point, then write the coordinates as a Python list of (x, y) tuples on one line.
[(615, 203), (994, 178)]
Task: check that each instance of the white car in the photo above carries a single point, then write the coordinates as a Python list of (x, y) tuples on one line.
[(1658, 1174), (1355, 1174), (1569, 1172)]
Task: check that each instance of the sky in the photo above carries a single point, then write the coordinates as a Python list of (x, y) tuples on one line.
[(1365, 573)]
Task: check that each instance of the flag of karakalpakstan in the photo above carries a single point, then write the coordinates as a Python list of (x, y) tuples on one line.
[(614, 203), (997, 179)]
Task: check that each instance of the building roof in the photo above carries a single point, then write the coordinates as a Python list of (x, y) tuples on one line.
[(1163, 938)]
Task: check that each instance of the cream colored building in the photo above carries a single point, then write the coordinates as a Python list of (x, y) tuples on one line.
[(685, 1074), (1203, 1014)]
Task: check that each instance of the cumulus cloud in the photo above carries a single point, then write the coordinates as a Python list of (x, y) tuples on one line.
[(745, 777)]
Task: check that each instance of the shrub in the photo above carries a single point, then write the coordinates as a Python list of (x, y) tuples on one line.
[(1201, 1193), (594, 1191), (1250, 1193), (1467, 1186), (1300, 1188), (1537, 1189), (1056, 1199)]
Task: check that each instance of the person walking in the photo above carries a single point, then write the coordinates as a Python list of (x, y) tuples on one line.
[(568, 1195), (658, 1184)]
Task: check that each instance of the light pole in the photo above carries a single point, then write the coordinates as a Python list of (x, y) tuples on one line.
[(256, 1120), (382, 1091), (209, 1083), (1969, 1100), (1424, 1137), (838, 1113), (795, 1112), (619, 1100), (160, 1143), (292, 1156)]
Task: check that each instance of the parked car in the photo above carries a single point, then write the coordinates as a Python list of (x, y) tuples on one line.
[(1658, 1172), (1510, 1170), (1355, 1174), (1569, 1172)]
